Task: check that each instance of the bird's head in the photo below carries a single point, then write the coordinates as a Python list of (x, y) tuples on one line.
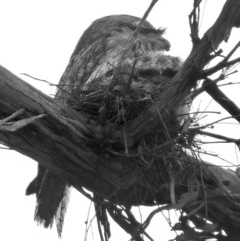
[(124, 44)]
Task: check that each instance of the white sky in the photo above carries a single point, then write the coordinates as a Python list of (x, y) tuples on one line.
[(37, 38)]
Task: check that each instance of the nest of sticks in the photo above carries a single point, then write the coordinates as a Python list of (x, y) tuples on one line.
[(114, 104)]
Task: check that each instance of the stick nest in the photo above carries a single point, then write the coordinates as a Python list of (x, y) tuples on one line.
[(114, 102)]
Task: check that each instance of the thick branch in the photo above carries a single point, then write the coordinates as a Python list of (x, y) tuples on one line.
[(62, 142), (58, 143), (58, 140)]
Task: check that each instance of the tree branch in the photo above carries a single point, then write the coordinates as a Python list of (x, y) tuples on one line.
[(59, 140), (213, 90), (187, 76), (223, 64)]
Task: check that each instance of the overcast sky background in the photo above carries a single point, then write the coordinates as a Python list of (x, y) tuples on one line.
[(37, 38)]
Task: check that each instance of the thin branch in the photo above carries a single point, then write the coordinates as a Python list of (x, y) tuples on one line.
[(131, 75), (145, 16), (232, 52), (86, 222), (215, 54), (194, 17), (100, 230), (84, 193), (42, 80), (221, 137), (97, 211), (186, 198), (223, 64), (171, 141), (56, 85), (126, 222), (218, 67)]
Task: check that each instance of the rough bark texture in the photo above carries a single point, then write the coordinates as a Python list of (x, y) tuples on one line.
[(69, 155), (65, 142)]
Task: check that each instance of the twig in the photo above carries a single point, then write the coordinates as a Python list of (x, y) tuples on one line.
[(217, 53), (221, 137), (194, 21), (145, 16), (100, 230), (154, 212), (218, 67), (217, 156), (201, 112), (148, 236), (84, 193), (131, 75), (56, 85), (223, 64), (45, 81), (232, 51), (186, 198), (126, 222), (212, 123), (86, 222), (149, 151), (162, 121), (134, 35), (210, 142), (229, 83)]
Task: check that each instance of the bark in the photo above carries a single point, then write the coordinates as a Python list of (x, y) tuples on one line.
[(62, 142), (59, 140)]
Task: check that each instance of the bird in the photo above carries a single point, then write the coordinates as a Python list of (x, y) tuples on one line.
[(115, 45)]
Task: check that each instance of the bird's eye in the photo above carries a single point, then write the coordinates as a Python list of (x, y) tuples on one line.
[(148, 72), (169, 73), (109, 73)]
